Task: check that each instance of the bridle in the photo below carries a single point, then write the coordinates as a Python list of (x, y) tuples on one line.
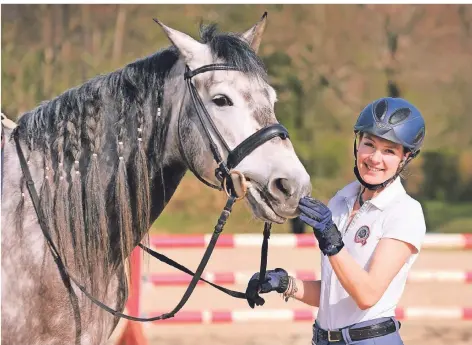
[(225, 169), (223, 173)]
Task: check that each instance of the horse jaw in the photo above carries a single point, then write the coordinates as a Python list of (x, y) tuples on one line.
[(280, 163)]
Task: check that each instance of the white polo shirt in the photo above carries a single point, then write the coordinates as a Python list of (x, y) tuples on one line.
[(393, 214)]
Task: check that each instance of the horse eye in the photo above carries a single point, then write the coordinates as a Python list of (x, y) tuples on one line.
[(222, 101)]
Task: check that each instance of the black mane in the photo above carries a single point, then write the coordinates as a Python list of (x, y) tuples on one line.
[(232, 49), (128, 85)]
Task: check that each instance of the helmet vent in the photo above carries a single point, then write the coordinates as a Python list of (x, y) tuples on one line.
[(399, 116), (419, 137), (380, 109)]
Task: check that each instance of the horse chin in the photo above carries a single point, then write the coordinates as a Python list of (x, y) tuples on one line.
[(260, 206)]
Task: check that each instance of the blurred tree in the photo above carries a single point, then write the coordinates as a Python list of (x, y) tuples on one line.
[(411, 16), (465, 15), (62, 40), (119, 34), (48, 48), (442, 180), (325, 61)]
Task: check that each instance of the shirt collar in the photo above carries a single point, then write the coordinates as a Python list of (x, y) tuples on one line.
[(382, 199), (351, 190)]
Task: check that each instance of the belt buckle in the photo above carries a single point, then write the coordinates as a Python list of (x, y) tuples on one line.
[(332, 340)]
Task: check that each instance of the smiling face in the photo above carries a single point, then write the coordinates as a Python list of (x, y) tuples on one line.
[(378, 159)]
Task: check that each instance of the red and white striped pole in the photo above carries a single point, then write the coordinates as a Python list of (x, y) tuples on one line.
[(242, 277), (303, 315), (431, 241), (133, 332)]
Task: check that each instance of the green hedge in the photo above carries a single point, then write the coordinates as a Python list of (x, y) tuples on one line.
[(446, 217)]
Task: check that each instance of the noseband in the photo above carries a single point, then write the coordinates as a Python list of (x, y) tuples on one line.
[(223, 174)]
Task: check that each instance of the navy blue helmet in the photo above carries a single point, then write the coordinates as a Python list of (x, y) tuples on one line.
[(394, 119)]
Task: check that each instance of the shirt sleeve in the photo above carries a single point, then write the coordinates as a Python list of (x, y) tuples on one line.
[(406, 223)]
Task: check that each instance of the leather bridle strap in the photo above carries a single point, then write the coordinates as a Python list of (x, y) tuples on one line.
[(254, 141), (170, 262), (211, 67), (184, 155), (222, 170), (197, 102), (66, 275), (264, 253)]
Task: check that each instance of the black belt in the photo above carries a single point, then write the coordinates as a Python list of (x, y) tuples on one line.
[(362, 333)]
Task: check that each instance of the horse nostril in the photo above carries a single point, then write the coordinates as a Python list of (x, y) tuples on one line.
[(283, 185)]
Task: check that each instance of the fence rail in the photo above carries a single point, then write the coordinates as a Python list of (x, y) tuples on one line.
[(432, 241), (305, 315), (242, 277)]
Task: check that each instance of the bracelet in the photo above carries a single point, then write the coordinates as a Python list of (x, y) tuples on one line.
[(291, 289)]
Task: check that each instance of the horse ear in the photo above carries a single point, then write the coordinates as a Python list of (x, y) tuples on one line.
[(253, 36), (187, 46)]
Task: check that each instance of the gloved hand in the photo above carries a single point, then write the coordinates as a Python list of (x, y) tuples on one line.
[(275, 280), (317, 215)]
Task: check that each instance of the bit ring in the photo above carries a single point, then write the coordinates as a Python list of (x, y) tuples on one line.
[(243, 184)]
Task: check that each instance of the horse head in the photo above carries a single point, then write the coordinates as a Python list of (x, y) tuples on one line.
[(238, 103)]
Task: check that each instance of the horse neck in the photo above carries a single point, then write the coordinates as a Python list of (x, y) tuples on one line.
[(166, 164), (150, 138)]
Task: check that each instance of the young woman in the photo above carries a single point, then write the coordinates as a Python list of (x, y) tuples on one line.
[(370, 233)]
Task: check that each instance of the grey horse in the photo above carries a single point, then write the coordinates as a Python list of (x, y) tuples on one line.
[(107, 156)]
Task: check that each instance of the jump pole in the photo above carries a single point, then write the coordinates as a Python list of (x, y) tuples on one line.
[(133, 331)]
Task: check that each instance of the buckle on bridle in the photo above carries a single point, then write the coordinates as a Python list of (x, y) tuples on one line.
[(243, 184), (332, 340)]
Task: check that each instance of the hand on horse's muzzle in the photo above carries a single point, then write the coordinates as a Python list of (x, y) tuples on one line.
[(317, 215), (275, 280)]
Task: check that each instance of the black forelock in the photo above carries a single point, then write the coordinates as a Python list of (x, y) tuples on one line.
[(233, 49)]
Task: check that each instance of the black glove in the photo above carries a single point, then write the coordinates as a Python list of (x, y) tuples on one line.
[(275, 280), (319, 217)]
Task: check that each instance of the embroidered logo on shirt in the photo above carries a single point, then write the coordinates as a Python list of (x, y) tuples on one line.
[(362, 235)]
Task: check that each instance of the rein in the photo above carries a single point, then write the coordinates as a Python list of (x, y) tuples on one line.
[(196, 275), (223, 173)]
